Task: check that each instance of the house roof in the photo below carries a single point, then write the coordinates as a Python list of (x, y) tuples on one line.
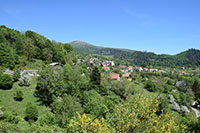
[(129, 67), (114, 76), (54, 64), (126, 75), (122, 67), (106, 68)]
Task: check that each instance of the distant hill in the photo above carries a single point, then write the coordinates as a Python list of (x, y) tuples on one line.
[(83, 47), (186, 58)]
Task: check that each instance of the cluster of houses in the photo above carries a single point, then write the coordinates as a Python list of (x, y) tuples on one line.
[(126, 70)]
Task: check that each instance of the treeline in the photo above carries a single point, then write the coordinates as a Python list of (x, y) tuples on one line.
[(190, 57), (18, 47)]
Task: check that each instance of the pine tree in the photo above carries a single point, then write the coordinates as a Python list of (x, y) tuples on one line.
[(95, 77), (196, 89)]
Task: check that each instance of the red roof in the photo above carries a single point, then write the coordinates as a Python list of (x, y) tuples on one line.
[(114, 76), (126, 75), (130, 67), (106, 68), (122, 67), (162, 71)]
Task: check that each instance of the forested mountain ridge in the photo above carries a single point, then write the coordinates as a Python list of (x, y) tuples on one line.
[(83, 47), (186, 58)]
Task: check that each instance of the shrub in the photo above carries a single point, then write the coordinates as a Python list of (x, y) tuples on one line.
[(6, 127), (150, 86), (5, 81), (16, 75), (6, 117), (18, 96), (31, 113)]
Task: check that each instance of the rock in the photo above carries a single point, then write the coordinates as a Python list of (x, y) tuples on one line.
[(185, 109), (173, 90), (171, 100), (1, 112), (179, 83), (174, 105), (9, 72), (25, 80)]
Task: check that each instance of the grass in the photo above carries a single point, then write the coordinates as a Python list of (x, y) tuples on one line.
[(18, 108)]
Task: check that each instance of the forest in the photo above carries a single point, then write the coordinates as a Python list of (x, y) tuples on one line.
[(46, 87)]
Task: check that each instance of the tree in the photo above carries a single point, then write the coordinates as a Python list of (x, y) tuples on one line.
[(5, 81), (196, 89), (150, 86), (50, 85), (65, 108), (95, 77), (16, 75), (139, 114), (31, 113), (68, 47), (18, 96), (7, 56), (93, 103), (29, 48)]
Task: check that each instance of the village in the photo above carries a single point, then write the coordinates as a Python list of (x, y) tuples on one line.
[(125, 71)]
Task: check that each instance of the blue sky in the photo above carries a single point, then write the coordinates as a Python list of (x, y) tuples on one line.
[(160, 26)]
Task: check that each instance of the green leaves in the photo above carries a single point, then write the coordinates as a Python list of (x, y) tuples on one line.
[(5, 81), (31, 113)]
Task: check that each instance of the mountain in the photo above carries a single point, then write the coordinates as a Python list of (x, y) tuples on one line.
[(186, 58), (83, 47)]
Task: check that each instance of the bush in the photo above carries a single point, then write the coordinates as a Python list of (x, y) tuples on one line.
[(31, 113), (16, 75), (18, 96), (6, 127), (5, 81), (150, 86), (6, 117)]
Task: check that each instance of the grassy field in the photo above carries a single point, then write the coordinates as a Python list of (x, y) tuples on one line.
[(17, 108)]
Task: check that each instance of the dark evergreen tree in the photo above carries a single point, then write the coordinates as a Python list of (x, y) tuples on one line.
[(5, 81), (95, 77), (196, 89), (31, 113)]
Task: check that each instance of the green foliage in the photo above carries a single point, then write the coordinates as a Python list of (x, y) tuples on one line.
[(75, 82), (5, 81), (16, 48), (6, 127), (16, 75), (18, 96), (95, 77), (122, 88), (49, 85), (7, 117), (150, 86), (65, 108), (68, 47), (93, 103), (196, 89), (31, 113), (47, 119), (6, 56)]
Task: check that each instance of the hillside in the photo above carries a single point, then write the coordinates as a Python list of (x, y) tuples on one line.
[(186, 58), (83, 47)]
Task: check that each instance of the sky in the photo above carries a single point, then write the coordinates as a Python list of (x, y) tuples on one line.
[(160, 26)]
